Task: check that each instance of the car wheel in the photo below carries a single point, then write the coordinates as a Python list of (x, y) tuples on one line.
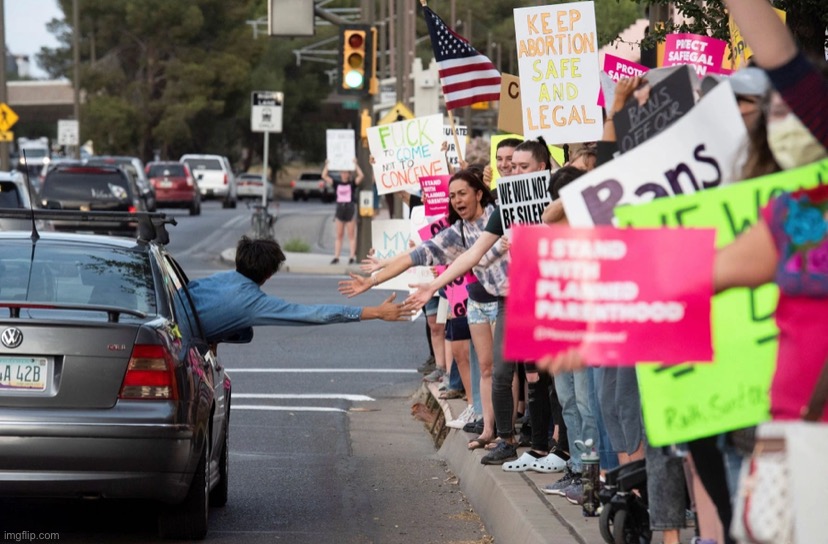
[(188, 520), (233, 203), (195, 208), (296, 197), (305, 198), (218, 496)]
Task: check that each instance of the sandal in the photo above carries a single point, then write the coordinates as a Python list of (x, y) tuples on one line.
[(478, 443), (451, 394)]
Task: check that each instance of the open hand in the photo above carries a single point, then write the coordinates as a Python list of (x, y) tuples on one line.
[(356, 285), (570, 360), (388, 311), (420, 297), (370, 264)]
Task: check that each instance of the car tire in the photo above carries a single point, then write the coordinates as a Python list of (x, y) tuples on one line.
[(233, 204), (305, 198), (188, 520), (195, 208), (218, 496), (296, 197)]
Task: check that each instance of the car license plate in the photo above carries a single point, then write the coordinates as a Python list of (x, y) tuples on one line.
[(166, 184), (23, 373)]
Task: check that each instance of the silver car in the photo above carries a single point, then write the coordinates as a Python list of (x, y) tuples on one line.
[(108, 388)]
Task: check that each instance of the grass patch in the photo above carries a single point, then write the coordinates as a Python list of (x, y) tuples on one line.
[(296, 245)]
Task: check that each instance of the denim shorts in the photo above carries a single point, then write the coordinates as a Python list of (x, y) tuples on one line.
[(481, 312), (431, 306)]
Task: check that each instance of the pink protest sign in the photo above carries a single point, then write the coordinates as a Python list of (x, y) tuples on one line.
[(617, 68), (618, 295), (456, 292), (435, 194), (703, 53)]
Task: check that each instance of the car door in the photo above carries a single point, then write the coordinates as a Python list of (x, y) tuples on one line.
[(214, 374)]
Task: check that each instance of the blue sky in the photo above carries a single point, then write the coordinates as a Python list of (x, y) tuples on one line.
[(26, 28)]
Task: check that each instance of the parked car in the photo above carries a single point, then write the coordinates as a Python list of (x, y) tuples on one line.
[(311, 184), (134, 167), (92, 188), (108, 388), (50, 165), (250, 186), (14, 194), (174, 186), (215, 177)]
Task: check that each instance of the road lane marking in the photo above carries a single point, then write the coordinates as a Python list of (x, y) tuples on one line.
[(326, 370), (213, 238), (286, 408), (299, 396)]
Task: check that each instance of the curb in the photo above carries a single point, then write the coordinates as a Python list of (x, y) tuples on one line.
[(512, 505)]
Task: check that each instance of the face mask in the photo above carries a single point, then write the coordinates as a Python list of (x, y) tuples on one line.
[(792, 144)]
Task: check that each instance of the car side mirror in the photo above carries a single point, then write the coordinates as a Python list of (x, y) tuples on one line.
[(53, 205), (200, 177)]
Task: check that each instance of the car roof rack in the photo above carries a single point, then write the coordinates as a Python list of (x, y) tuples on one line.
[(151, 225)]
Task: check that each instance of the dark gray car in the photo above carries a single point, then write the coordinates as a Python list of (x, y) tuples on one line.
[(108, 388)]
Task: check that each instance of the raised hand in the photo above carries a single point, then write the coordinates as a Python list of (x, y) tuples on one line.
[(356, 285), (570, 360), (388, 311), (370, 264), (420, 297)]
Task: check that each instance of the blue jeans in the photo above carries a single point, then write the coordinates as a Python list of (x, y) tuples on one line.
[(609, 459), (455, 383), (574, 394)]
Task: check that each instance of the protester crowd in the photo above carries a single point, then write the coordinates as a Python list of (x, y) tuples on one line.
[(544, 415)]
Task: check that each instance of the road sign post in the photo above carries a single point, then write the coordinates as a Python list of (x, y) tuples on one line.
[(266, 116)]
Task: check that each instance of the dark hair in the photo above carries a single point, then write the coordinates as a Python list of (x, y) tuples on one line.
[(258, 259), (474, 178), (561, 178), (538, 149), (759, 161), (509, 142)]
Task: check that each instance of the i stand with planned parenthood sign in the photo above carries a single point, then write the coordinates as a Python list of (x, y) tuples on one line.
[(266, 116)]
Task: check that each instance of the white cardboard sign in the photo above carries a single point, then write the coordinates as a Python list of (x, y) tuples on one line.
[(341, 149)]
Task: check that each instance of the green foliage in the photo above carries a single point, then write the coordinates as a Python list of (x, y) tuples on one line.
[(296, 245)]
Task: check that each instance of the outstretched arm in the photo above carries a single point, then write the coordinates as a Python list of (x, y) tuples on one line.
[(359, 284), (749, 261), (771, 41), (387, 311), (462, 264)]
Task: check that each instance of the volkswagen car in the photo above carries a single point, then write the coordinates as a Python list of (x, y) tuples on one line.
[(108, 388)]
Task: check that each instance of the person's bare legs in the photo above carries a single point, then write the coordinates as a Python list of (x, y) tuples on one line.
[(482, 338), (460, 352), (438, 341), (351, 226), (339, 231)]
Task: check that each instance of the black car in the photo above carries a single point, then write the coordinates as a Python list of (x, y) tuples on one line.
[(108, 387), (92, 188)]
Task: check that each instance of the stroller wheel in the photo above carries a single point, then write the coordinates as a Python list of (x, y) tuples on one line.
[(605, 523), (625, 531)]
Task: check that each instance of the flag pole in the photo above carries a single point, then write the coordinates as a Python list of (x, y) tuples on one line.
[(454, 133)]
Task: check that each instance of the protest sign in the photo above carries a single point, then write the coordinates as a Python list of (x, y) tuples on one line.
[(556, 152), (703, 53), (456, 292), (668, 101), (510, 113), (685, 158), (435, 195), (616, 68), (341, 149), (389, 238), (406, 150), (558, 66), (462, 138), (691, 401), (522, 199), (595, 289)]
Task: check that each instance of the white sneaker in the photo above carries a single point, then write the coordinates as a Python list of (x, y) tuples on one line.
[(466, 416)]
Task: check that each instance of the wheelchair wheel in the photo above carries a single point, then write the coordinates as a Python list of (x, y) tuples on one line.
[(605, 524)]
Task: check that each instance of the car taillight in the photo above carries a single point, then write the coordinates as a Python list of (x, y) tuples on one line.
[(292, 183), (225, 179), (321, 184), (132, 209), (189, 181), (150, 374)]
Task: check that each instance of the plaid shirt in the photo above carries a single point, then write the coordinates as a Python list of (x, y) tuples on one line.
[(493, 269)]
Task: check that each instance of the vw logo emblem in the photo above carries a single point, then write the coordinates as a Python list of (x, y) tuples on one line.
[(12, 337)]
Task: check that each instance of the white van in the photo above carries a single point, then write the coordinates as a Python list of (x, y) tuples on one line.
[(215, 177)]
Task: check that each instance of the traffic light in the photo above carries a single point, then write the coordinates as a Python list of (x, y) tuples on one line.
[(356, 59)]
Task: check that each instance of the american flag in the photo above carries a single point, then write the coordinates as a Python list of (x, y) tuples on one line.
[(467, 76)]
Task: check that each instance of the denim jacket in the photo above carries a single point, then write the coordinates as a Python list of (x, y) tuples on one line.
[(229, 304)]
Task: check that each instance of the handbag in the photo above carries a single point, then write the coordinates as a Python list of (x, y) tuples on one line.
[(762, 512)]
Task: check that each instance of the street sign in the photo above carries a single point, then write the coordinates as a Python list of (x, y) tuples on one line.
[(7, 117), (68, 132), (6, 136), (266, 111), (398, 113)]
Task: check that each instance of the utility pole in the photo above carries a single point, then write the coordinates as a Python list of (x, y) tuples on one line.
[(76, 61), (364, 236), (4, 146)]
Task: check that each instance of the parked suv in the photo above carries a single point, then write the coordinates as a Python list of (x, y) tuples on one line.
[(92, 188), (215, 177), (134, 167), (174, 186), (311, 184), (14, 194)]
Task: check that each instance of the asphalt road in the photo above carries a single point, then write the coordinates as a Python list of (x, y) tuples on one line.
[(323, 446)]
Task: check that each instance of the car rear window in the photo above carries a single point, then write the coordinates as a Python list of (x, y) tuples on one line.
[(172, 169), (77, 274), (9, 195), (85, 184), (203, 164), (310, 176)]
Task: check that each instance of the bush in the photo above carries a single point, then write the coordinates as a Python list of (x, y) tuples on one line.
[(296, 245)]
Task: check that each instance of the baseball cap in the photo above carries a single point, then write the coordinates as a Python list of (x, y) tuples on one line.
[(749, 81)]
